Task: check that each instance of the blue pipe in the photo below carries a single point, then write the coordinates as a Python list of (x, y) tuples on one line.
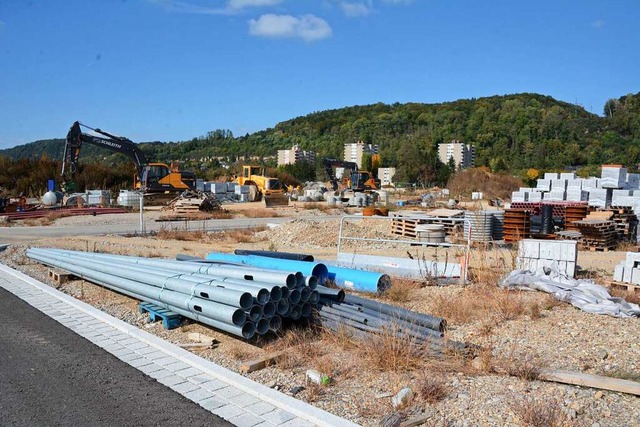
[(307, 268), (359, 280)]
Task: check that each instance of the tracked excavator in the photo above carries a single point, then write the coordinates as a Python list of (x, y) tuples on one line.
[(353, 179), (157, 181)]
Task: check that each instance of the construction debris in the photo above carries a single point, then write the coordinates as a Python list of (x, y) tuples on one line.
[(194, 201)]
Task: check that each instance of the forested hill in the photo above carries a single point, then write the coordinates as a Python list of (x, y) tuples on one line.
[(510, 132)]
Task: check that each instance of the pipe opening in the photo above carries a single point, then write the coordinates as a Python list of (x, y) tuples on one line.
[(248, 277), (197, 308), (204, 295)]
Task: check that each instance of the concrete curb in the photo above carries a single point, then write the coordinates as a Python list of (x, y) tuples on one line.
[(300, 409)]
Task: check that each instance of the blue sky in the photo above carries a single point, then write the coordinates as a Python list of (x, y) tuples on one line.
[(170, 70)]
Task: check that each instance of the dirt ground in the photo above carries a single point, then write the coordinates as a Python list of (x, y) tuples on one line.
[(520, 333)]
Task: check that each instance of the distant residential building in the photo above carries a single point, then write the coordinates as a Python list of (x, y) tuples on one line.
[(386, 176), (295, 155), (463, 155), (353, 152)]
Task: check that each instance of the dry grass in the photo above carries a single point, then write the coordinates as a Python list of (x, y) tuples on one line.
[(301, 345), (629, 296), (537, 413), (388, 352), (432, 388), (313, 392), (523, 366), (463, 183), (400, 291), (260, 213), (244, 235), (183, 235)]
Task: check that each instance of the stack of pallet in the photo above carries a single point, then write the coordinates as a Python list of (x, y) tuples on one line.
[(192, 202), (404, 223), (517, 224), (597, 234), (574, 213), (626, 223)]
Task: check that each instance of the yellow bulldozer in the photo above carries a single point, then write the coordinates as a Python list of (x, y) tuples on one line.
[(269, 190)]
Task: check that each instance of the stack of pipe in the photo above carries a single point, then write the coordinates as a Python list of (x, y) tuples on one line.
[(237, 299), (349, 278), (361, 317)]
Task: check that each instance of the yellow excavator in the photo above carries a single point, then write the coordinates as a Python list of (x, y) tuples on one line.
[(269, 190)]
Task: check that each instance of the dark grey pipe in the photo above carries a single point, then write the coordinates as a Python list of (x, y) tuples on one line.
[(275, 254)]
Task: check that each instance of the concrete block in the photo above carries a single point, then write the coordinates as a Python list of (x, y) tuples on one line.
[(571, 269), (568, 250), (633, 181), (626, 275), (632, 257), (535, 196), (242, 189), (551, 175), (568, 175), (558, 184), (518, 196), (219, 187), (231, 187), (543, 185), (556, 195), (577, 195), (590, 183), (635, 276), (618, 273), (613, 177), (529, 248), (574, 184)]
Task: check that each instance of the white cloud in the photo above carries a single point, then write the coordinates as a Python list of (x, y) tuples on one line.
[(355, 9), (231, 7), (397, 1), (598, 24), (306, 27), (241, 4)]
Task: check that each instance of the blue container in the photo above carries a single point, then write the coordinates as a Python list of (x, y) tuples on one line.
[(359, 280), (51, 185)]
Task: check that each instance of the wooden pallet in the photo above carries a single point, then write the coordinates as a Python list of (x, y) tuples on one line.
[(629, 287), (170, 320)]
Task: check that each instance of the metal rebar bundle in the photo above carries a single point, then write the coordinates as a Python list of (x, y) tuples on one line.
[(238, 299)]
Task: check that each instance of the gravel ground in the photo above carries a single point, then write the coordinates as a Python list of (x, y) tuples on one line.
[(558, 337)]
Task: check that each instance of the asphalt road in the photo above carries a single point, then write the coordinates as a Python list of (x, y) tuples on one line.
[(51, 376), (27, 234)]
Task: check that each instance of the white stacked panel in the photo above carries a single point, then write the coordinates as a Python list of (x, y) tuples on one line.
[(577, 195), (231, 187), (613, 177), (242, 189), (219, 187), (535, 196), (628, 270), (590, 183), (556, 195), (633, 181), (535, 255), (200, 184), (567, 176), (575, 184), (551, 175), (543, 185), (519, 196), (598, 197), (558, 184)]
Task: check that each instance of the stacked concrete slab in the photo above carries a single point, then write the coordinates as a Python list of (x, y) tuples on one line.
[(628, 270), (228, 191), (615, 187), (535, 255)]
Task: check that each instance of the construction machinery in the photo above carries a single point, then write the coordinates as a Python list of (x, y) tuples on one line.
[(153, 179), (352, 179), (269, 190)]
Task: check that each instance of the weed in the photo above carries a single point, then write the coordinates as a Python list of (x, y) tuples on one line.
[(260, 213), (182, 235), (523, 366), (432, 388), (628, 296), (313, 392), (537, 413), (389, 352), (400, 290), (624, 375), (244, 235)]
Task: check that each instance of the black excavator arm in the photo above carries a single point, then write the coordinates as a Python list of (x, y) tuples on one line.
[(74, 141), (329, 164)]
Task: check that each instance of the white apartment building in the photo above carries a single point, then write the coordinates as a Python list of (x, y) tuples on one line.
[(386, 176), (462, 154), (353, 152), (294, 155)]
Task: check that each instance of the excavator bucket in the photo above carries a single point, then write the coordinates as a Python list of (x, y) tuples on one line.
[(275, 200)]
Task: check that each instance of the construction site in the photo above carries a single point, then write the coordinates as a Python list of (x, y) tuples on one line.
[(377, 306)]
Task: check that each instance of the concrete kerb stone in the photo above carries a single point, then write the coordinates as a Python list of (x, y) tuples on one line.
[(289, 404)]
